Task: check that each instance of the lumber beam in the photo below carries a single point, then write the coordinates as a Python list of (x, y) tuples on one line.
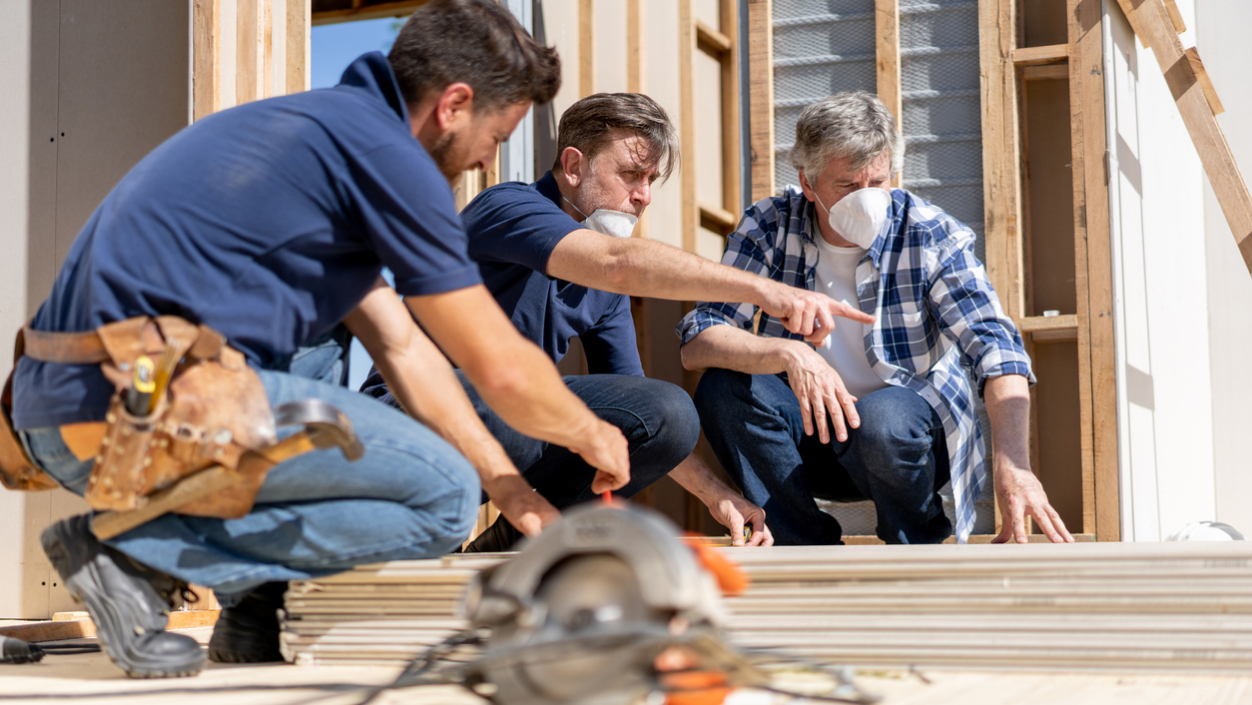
[(206, 61), (1197, 114), (761, 96), (887, 31), (298, 45), (1093, 267), (586, 48), (367, 12), (1206, 83), (732, 197), (1037, 56)]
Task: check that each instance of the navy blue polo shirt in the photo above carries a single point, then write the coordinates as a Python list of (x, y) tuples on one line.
[(268, 222), (513, 228)]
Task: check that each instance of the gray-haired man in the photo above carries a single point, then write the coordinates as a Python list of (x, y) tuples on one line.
[(895, 395)]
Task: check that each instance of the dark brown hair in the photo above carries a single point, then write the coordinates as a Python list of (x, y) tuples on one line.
[(591, 123), (477, 42)]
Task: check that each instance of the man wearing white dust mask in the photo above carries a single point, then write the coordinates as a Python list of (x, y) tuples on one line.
[(559, 258), (883, 411)]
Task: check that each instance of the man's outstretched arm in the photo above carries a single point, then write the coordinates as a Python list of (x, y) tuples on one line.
[(420, 377), (646, 268), (518, 381)]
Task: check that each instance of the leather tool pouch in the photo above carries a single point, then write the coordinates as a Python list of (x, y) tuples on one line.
[(214, 411), (17, 472)]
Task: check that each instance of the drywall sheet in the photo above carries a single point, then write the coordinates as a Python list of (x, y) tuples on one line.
[(1157, 210)]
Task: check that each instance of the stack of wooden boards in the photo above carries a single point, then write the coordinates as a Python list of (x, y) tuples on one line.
[(1183, 607)]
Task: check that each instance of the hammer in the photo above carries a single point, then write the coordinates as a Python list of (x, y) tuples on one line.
[(324, 427)]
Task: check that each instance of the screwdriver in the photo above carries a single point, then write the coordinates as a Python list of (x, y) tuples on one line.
[(139, 396)]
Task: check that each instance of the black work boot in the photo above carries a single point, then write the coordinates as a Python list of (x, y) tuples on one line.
[(248, 632), (500, 536), (124, 599)]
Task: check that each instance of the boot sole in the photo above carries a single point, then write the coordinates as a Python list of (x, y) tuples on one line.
[(106, 619)]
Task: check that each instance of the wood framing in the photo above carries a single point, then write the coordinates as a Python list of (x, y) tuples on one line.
[(687, 123), (206, 71), (254, 55), (1093, 272), (586, 48), (1002, 185), (298, 46), (887, 40), (1153, 19), (761, 96)]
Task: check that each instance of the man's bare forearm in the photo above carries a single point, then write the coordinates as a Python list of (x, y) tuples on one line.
[(730, 348), (646, 268), (1008, 408), (695, 476)]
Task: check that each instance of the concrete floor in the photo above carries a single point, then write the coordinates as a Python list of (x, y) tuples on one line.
[(92, 680)]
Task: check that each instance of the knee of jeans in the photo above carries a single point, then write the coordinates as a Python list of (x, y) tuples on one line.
[(680, 424), (718, 392), (458, 513)]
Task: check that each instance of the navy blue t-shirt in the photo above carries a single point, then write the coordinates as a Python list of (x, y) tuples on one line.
[(268, 222), (513, 228)]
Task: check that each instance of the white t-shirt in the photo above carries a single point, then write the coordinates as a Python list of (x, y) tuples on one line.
[(835, 276)]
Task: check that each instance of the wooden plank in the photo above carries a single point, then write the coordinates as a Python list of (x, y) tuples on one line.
[(1206, 82), (887, 50), (586, 48), (190, 619), (1206, 134), (687, 123), (1031, 324), (206, 76), (1175, 16), (731, 158), (636, 46), (250, 61), (1035, 56), (761, 96), (401, 8), (298, 46), (1001, 153), (712, 41), (51, 631), (722, 218), (1128, 9), (1093, 260)]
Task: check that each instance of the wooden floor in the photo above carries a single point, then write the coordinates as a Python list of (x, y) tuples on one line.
[(90, 679)]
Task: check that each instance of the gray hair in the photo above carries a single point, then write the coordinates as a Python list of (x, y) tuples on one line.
[(854, 125)]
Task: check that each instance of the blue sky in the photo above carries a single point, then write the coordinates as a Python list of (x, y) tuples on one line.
[(337, 45)]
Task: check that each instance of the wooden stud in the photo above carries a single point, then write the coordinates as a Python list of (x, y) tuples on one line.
[(401, 8), (586, 48), (687, 120), (1002, 185), (712, 41), (1206, 134), (730, 110), (887, 40), (761, 96), (206, 77), (250, 65), (636, 82), (298, 45), (1093, 273), (1046, 72), (1206, 83)]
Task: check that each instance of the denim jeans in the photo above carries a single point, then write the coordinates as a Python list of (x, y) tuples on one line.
[(898, 458), (658, 419), (411, 496)]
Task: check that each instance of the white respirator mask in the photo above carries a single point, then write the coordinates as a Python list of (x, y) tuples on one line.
[(860, 216), (608, 222)]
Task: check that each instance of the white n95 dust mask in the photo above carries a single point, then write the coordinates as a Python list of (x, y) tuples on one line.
[(603, 220), (860, 216)]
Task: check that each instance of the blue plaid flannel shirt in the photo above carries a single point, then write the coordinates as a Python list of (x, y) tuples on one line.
[(937, 318)]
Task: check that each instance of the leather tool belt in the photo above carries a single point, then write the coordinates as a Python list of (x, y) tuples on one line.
[(212, 413)]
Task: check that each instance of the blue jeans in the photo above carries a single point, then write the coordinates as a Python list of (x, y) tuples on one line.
[(898, 458), (658, 419), (411, 496)]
